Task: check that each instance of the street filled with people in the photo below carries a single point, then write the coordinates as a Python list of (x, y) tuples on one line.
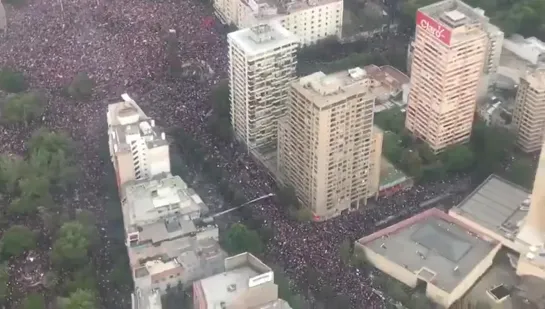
[(122, 46)]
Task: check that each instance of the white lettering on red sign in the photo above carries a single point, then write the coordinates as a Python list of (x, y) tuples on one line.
[(437, 32)]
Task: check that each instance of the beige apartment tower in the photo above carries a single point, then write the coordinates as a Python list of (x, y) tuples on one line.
[(529, 115), (262, 64), (450, 51), (325, 142)]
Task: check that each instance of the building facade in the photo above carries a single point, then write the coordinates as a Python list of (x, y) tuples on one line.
[(529, 114), (450, 51), (326, 141), (262, 63), (138, 148), (310, 21)]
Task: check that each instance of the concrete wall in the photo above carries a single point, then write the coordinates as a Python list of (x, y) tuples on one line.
[(473, 276), (437, 295), (526, 268), (396, 271)]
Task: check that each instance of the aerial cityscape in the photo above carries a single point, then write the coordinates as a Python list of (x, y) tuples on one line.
[(279, 154)]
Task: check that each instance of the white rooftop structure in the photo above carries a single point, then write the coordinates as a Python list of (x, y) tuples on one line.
[(529, 49), (246, 283), (262, 38), (146, 299)]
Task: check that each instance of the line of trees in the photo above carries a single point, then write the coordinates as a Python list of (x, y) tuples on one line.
[(490, 150)]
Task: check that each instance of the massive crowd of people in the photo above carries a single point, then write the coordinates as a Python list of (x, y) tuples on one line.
[(121, 45)]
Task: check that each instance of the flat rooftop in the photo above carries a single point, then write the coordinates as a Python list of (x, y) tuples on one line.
[(389, 174), (432, 245), (147, 201), (515, 292), (126, 118), (227, 286), (262, 38), (537, 79), (287, 7), (326, 89), (495, 205)]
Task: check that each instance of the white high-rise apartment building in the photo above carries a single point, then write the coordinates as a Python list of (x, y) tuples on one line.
[(262, 62), (309, 20), (529, 114), (450, 51), (139, 150), (326, 142)]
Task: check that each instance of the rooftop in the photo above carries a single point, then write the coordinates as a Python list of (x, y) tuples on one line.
[(502, 288), (262, 38), (432, 245), (146, 201), (126, 119), (243, 272), (188, 253), (271, 8), (325, 89), (142, 299), (496, 205), (390, 175), (536, 79)]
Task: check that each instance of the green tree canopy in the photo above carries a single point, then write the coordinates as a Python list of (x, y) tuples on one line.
[(81, 87), (16, 240), (4, 282), (240, 239), (23, 108), (392, 120), (12, 81), (411, 162), (70, 249), (345, 250), (81, 299), (522, 172), (458, 159), (11, 169), (34, 301)]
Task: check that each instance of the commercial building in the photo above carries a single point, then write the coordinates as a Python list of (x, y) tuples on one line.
[(529, 49), (262, 62), (326, 145), (310, 21), (432, 250), (138, 148), (529, 114), (247, 283), (450, 51)]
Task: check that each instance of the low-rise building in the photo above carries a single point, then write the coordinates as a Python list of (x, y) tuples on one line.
[(310, 21), (434, 251), (529, 49), (158, 207), (247, 283)]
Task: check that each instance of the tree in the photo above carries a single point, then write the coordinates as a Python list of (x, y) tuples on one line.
[(34, 301), (49, 141), (491, 147), (411, 162), (70, 249), (458, 159), (81, 279), (287, 197), (240, 239), (522, 172), (81, 87), (358, 258), (34, 193), (392, 120), (23, 108), (16, 240), (4, 282), (12, 81), (81, 299), (11, 168)]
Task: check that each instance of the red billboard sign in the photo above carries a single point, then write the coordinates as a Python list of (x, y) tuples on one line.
[(431, 26)]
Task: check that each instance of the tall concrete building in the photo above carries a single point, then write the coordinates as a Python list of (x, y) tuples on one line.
[(450, 51), (262, 62), (326, 140), (310, 21), (529, 115), (138, 148)]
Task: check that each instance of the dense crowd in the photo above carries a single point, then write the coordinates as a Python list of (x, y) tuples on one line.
[(121, 45)]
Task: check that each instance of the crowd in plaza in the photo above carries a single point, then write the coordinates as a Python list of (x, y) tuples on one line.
[(121, 45)]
